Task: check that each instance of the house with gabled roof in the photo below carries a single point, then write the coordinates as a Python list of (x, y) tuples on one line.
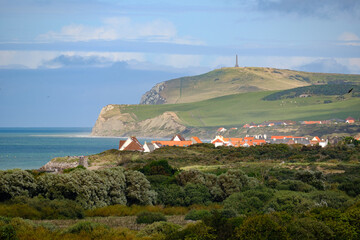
[(178, 141), (130, 144), (150, 147), (177, 137), (222, 129), (195, 140), (350, 120)]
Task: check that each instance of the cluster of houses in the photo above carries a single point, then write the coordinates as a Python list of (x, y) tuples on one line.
[(349, 120), (262, 139), (133, 144)]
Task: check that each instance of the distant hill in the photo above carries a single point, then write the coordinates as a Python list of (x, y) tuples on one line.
[(227, 81), (227, 111)]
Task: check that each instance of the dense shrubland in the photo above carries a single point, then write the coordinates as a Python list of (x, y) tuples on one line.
[(263, 199)]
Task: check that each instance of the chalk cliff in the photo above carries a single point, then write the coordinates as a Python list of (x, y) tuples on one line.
[(112, 121)]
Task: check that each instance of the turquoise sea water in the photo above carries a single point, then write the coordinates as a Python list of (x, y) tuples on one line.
[(31, 148)]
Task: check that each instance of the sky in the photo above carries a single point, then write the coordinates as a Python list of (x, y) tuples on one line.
[(62, 61)]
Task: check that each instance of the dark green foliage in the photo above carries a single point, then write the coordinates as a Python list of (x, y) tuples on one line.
[(333, 199), (251, 201), (41, 208), (160, 167), (197, 214), (85, 226), (172, 195), (289, 201), (266, 226), (138, 189), (80, 167), (327, 90), (315, 179), (150, 217), (164, 228), (221, 226), (16, 183), (7, 232), (196, 194), (307, 228), (294, 185)]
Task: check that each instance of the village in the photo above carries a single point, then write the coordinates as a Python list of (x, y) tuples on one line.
[(133, 144)]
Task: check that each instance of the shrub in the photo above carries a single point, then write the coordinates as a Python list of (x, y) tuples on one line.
[(333, 199), (249, 201), (262, 227), (294, 185), (16, 183), (197, 214), (307, 228), (150, 217), (291, 202), (138, 189), (161, 167), (196, 194), (85, 226), (314, 178), (163, 228)]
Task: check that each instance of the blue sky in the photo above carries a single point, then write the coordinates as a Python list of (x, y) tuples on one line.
[(62, 61)]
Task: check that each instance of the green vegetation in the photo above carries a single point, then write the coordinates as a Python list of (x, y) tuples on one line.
[(226, 81), (263, 192), (150, 217), (325, 90), (238, 109)]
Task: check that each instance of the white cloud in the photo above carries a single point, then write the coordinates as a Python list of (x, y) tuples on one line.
[(36, 59), (29, 59), (349, 38), (120, 28)]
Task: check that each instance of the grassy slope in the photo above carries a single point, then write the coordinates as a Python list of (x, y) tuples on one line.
[(228, 81), (247, 107)]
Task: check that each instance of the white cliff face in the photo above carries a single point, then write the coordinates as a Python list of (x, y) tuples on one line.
[(153, 96), (113, 122)]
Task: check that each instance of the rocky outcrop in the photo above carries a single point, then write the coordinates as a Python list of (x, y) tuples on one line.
[(61, 163), (113, 122), (153, 96)]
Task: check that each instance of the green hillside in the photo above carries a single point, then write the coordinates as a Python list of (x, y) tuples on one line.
[(226, 81), (242, 108)]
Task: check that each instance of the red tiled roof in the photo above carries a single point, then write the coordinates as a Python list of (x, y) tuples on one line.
[(196, 139), (121, 143), (134, 146), (174, 143), (350, 118)]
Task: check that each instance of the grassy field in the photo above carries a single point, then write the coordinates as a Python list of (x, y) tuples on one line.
[(225, 81), (237, 109)]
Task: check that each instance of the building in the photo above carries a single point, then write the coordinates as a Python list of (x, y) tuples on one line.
[(221, 129), (179, 141), (150, 147), (131, 144), (350, 120)]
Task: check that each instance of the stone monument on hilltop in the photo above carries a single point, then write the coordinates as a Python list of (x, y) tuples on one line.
[(236, 65)]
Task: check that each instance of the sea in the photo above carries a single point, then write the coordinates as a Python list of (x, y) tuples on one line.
[(31, 148)]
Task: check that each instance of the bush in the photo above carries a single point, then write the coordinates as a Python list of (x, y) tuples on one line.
[(307, 228), (249, 201), (294, 185), (196, 194), (161, 167), (197, 214), (138, 189), (163, 228), (85, 226), (16, 183), (291, 202), (150, 217), (314, 178), (262, 227)]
